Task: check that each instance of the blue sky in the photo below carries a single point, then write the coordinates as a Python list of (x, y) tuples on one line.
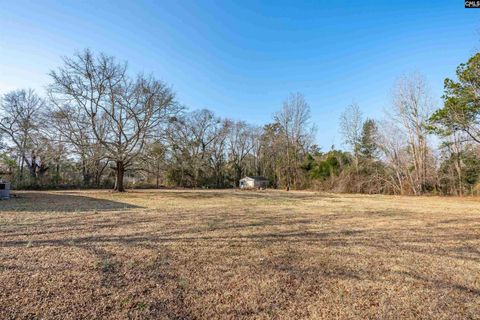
[(241, 59)]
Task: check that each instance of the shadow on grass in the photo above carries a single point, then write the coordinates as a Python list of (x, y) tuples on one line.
[(440, 283), (247, 194), (60, 202)]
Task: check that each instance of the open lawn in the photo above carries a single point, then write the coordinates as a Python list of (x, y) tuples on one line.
[(238, 255)]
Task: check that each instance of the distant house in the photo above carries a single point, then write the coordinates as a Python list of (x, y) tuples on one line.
[(253, 182)]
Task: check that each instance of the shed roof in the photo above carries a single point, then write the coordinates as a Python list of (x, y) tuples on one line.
[(255, 178)]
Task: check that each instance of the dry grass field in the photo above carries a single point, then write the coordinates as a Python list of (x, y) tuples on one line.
[(238, 255)]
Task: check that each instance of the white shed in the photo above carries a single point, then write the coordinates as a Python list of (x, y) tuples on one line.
[(253, 182)]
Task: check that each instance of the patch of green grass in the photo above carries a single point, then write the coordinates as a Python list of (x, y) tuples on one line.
[(140, 306), (104, 265), (183, 283)]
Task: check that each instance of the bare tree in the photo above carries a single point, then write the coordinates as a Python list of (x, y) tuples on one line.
[(153, 160), (20, 119), (73, 125), (351, 123), (239, 146), (218, 152), (394, 149), (296, 133), (257, 146), (271, 153), (126, 110), (412, 107), (192, 137)]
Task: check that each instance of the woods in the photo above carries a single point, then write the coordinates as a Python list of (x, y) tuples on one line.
[(98, 126)]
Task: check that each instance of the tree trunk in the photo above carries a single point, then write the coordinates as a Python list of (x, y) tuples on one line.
[(238, 175), (99, 168), (120, 172), (21, 167), (85, 174), (458, 167), (33, 173), (32, 166)]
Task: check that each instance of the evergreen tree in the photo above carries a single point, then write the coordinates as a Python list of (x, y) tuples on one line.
[(368, 140)]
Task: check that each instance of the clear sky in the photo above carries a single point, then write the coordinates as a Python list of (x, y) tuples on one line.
[(241, 59)]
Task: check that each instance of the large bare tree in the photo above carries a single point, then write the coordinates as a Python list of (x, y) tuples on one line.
[(122, 111)]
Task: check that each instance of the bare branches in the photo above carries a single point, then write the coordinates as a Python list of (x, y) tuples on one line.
[(122, 112), (296, 132), (351, 121), (21, 119), (411, 108), (239, 146)]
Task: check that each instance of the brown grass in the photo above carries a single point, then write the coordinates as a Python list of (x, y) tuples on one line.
[(238, 255)]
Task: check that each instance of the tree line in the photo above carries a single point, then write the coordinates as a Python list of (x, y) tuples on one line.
[(98, 126)]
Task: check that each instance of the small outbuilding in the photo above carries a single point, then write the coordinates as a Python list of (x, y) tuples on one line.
[(253, 182)]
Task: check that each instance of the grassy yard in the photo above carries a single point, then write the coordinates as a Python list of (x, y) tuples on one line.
[(238, 255)]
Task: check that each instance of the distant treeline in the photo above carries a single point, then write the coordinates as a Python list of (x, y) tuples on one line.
[(99, 127)]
